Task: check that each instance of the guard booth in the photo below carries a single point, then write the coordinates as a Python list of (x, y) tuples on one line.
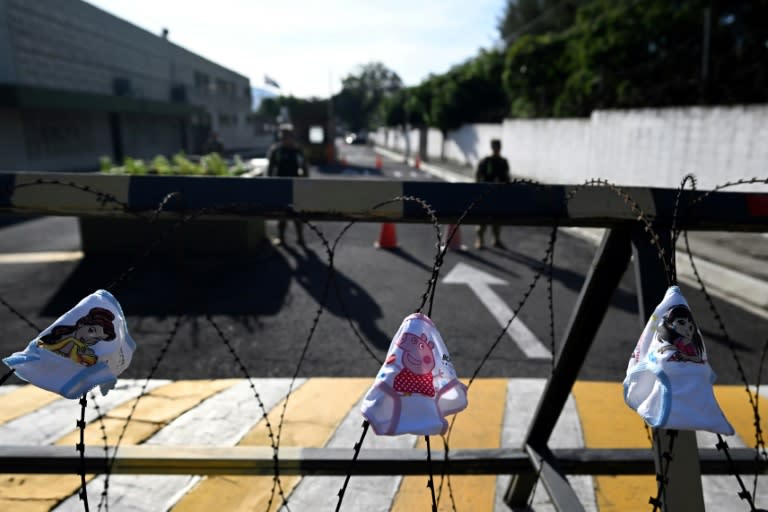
[(314, 131)]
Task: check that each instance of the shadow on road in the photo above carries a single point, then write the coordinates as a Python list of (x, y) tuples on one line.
[(232, 286), (409, 258), (573, 280), (347, 169), (347, 299)]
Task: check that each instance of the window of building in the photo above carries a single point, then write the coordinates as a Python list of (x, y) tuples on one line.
[(58, 134), (228, 119), (202, 81)]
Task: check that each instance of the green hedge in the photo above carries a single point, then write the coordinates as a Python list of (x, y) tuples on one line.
[(211, 164)]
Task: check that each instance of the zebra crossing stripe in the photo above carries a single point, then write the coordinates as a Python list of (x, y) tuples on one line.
[(156, 409), (479, 426), (47, 424), (735, 404), (326, 412), (720, 492), (368, 493), (607, 422), (221, 420), (7, 388), (23, 400), (314, 411)]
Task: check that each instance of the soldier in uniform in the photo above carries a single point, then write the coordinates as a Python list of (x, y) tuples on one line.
[(492, 169), (286, 159)]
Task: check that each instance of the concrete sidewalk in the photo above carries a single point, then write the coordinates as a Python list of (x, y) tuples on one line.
[(733, 266)]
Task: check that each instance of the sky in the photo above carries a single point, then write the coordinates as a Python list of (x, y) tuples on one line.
[(308, 46)]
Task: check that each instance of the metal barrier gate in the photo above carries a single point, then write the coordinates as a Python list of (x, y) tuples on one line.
[(598, 205)]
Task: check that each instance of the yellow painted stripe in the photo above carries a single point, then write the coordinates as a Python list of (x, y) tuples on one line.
[(734, 402), (40, 257), (607, 422), (38, 493), (478, 426), (24, 400), (313, 414)]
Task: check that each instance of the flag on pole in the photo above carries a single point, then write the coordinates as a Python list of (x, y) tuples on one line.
[(271, 82)]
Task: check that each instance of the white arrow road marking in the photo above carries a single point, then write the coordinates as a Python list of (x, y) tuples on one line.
[(480, 282)]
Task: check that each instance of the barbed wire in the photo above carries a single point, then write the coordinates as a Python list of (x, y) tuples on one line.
[(166, 345), (759, 442), (426, 301)]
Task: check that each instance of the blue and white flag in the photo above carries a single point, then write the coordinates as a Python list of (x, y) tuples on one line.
[(88, 346), (669, 380)]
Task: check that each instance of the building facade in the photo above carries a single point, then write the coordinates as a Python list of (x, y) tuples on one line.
[(77, 83)]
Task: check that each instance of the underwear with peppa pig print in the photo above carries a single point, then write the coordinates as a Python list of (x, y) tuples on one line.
[(417, 386)]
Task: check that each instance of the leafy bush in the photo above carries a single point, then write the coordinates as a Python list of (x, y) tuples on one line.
[(211, 164)]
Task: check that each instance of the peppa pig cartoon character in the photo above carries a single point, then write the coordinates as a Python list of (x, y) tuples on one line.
[(417, 386), (418, 362)]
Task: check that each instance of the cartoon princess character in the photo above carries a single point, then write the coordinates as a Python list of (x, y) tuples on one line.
[(678, 330), (75, 341)]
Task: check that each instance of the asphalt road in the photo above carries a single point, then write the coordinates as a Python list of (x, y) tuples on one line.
[(267, 307)]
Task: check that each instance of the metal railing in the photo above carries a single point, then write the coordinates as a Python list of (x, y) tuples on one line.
[(641, 224)]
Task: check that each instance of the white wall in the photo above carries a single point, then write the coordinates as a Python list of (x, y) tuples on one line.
[(548, 150), (644, 147), (659, 146), (470, 143)]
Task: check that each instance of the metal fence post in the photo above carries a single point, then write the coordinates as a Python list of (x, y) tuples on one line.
[(682, 489), (608, 266)]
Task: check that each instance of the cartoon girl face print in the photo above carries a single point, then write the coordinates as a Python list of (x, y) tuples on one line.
[(89, 334), (677, 330), (684, 327), (75, 341)]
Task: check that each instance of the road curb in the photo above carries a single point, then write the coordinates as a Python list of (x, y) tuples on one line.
[(743, 290)]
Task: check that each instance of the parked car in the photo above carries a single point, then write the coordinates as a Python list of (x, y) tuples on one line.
[(355, 138)]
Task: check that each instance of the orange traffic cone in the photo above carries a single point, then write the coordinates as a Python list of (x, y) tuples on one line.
[(343, 161), (452, 236), (417, 162), (379, 163), (387, 237)]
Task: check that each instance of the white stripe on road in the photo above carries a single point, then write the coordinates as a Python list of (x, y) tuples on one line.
[(721, 491), (221, 420), (480, 283), (57, 419), (522, 399), (369, 493), (40, 257), (7, 388), (224, 418)]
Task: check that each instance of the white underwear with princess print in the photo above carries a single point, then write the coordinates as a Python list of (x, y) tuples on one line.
[(669, 380), (88, 346), (417, 386)]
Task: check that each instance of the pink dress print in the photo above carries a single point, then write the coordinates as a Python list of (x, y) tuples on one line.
[(408, 382)]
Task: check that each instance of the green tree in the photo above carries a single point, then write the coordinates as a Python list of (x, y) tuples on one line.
[(521, 17), (314, 107), (358, 102), (535, 69)]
